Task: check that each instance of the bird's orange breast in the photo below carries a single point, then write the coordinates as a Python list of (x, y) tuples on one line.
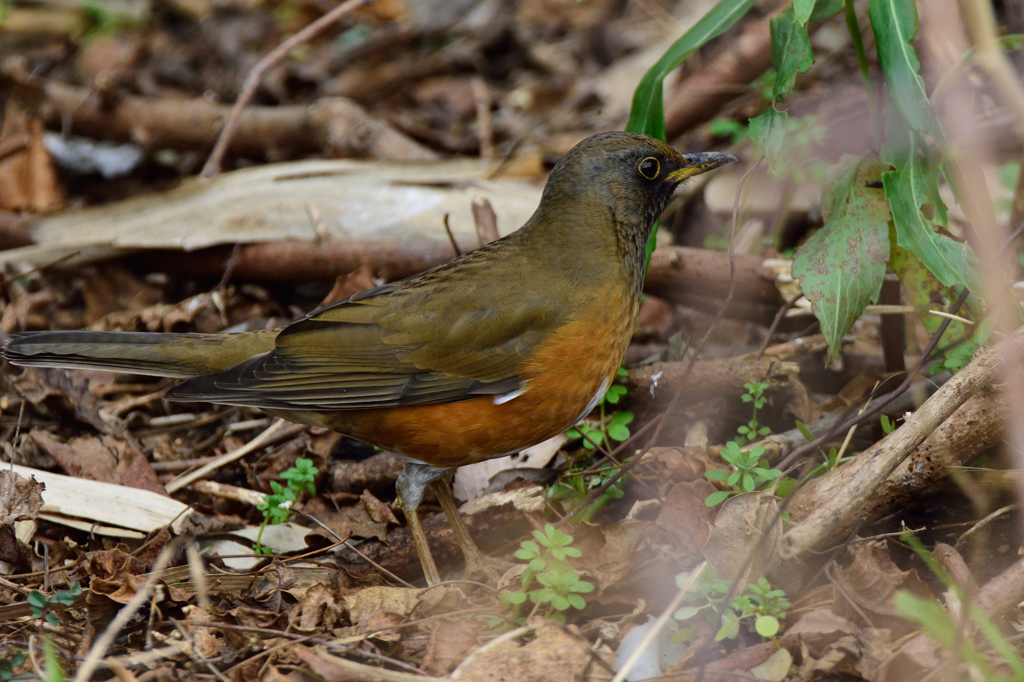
[(564, 374)]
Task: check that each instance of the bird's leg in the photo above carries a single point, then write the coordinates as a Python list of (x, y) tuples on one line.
[(419, 539), (411, 485), (477, 563)]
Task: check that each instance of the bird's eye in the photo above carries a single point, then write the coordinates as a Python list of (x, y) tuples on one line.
[(649, 168)]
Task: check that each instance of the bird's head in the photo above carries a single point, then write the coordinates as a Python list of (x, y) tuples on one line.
[(632, 176)]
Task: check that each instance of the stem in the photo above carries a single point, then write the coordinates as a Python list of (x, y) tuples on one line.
[(259, 548), (862, 59)]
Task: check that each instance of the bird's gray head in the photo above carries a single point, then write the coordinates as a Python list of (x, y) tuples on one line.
[(632, 176)]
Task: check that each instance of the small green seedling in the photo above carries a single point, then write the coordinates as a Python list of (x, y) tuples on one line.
[(40, 606), (561, 584), (888, 425), (750, 473), (579, 486), (752, 431), (763, 605), (7, 665), (708, 597), (832, 458), (277, 506)]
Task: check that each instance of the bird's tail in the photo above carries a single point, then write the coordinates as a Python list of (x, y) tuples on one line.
[(164, 355)]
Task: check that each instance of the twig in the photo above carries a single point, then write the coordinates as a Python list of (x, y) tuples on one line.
[(659, 624), (252, 80), (13, 145), (257, 442), (886, 399), (347, 543), (451, 237), (485, 221), (829, 515), (775, 324), (373, 672), (981, 22), (496, 642), (482, 102)]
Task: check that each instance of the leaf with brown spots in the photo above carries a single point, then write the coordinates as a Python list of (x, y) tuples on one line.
[(841, 267)]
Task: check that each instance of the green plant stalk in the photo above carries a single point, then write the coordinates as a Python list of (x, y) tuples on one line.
[(647, 115), (984, 623), (258, 549), (592, 510), (862, 59)]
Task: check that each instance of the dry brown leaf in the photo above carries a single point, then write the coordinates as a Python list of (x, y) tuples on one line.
[(818, 629), (20, 497), (110, 460), (612, 552), (553, 654), (368, 601), (352, 283), (919, 656), (113, 565), (381, 624), (208, 642), (28, 178), (686, 517), (114, 289), (871, 583), (369, 518), (57, 390), (318, 608), (450, 641), (744, 537)]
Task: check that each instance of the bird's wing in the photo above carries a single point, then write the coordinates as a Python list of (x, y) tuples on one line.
[(442, 337)]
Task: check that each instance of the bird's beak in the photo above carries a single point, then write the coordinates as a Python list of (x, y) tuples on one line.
[(701, 162)]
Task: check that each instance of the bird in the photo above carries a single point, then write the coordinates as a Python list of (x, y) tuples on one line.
[(499, 349)]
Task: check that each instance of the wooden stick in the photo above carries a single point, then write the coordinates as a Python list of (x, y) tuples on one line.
[(256, 443)]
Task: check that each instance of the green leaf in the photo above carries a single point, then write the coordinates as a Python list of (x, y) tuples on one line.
[(715, 475), (582, 587), (895, 24), (716, 498), (927, 293), (929, 615), (514, 597), (767, 626), (648, 112), (803, 9), (841, 267), (913, 185), (730, 626), (791, 52), (618, 432), (826, 8), (37, 599), (785, 487), (686, 612), (621, 419), (768, 132)]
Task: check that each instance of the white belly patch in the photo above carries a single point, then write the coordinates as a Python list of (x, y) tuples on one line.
[(595, 400)]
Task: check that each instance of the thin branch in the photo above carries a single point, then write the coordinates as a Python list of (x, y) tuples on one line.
[(252, 80)]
